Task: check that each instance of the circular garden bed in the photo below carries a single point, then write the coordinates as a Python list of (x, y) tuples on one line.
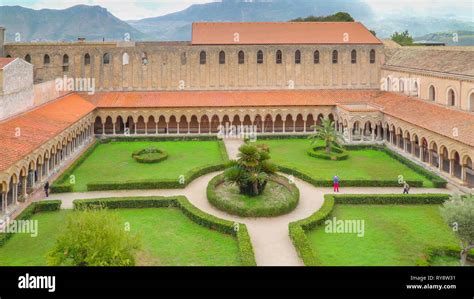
[(336, 154), (280, 197), (149, 155)]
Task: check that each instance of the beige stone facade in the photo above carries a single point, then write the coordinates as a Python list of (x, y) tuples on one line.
[(180, 66)]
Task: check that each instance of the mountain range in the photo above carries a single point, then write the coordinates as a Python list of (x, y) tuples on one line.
[(97, 23)]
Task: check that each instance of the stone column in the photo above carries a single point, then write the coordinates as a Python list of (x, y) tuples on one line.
[(113, 126), (199, 127), (156, 132), (39, 171), (451, 167), (135, 128), (4, 202), (430, 157), (146, 128), (103, 128), (463, 173), (405, 144)]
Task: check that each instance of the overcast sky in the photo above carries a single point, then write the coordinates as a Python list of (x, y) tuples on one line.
[(138, 9)]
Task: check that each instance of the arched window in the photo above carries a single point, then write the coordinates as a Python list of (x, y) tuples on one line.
[(353, 56), (316, 57), (297, 57), (65, 63), (278, 57), (334, 56), (221, 57), (87, 59), (46, 59), (451, 98), (28, 58), (372, 56), (471, 102), (415, 89), (202, 57), (432, 93), (401, 86), (259, 57), (183, 58), (106, 58), (241, 57), (125, 59), (144, 58)]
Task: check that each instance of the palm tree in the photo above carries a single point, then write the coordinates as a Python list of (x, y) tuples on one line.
[(326, 132), (251, 170)]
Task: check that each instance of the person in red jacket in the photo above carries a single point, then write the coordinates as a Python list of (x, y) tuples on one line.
[(336, 183)]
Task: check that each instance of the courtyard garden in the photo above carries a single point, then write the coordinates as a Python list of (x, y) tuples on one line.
[(141, 165), (170, 231)]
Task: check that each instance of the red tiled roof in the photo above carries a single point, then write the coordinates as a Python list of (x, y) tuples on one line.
[(170, 99), (38, 126), (427, 115), (258, 33), (5, 61)]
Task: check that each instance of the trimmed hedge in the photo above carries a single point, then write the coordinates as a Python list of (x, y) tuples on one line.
[(155, 184), (414, 199), (246, 252), (430, 253), (230, 208), (132, 137), (61, 185), (28, 212), (262, 136), (346, 183), (437, 181), (335, 155), (298, 229), (149, 155)]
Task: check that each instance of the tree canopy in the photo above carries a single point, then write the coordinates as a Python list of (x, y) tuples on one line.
[(337, 17), (403, 39)]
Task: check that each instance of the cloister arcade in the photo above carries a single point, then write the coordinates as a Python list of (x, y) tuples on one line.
[(21, 179)]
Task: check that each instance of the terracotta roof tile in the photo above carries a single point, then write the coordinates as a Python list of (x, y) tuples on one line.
[(5, 61), (258, 33), (38, 126)]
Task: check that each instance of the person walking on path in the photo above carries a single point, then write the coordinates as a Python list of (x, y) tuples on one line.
[(406, 187), (46, 188), (336, 183)]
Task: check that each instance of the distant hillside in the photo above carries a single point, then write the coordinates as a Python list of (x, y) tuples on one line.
[(91, 22), (177, 26), (465, 38)]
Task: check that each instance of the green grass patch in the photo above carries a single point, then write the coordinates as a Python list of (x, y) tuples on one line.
[(169, 238), (363, 167), (395, 235), (111, 164)]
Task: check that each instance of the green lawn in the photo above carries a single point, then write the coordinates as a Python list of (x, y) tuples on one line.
[(169, 238), (113, 162), (361, 165), (394, 235)]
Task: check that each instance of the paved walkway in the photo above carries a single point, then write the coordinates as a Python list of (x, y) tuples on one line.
[(270, 239), (232, 147)]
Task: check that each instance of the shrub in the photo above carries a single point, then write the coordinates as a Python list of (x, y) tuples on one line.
[(432, 252), (337, 154), (256, 210), (149, 155), (94, 237), (245, 246)]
